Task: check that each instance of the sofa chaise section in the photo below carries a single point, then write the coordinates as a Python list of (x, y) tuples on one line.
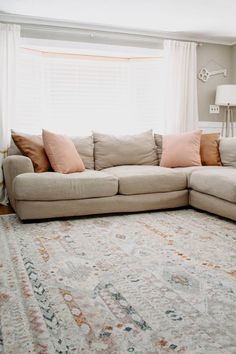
[(214, 190), (188, 171)]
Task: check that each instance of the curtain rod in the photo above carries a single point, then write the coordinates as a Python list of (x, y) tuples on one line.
[(96, 30)]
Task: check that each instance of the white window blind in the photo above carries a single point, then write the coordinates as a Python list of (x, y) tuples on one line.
[(75, 95)]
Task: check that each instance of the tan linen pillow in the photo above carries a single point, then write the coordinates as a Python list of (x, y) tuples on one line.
[(111, 150), (32, 147), (62, 153), (84, 145), (209, 149), (228, 151)]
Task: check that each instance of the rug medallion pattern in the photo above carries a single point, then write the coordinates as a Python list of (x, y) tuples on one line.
[(148, 283)]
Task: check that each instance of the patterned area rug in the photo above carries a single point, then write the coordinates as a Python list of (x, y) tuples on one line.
[(155, 283)]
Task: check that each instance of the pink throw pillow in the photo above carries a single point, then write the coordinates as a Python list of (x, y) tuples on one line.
[(181, 150), (62, 153)]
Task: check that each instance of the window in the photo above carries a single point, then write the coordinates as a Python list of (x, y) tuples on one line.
[(75, 94)]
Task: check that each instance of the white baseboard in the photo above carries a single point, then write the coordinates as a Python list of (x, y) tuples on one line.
[(213, 127)]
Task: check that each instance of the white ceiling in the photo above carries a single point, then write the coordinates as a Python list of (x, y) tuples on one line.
[(208, 20)]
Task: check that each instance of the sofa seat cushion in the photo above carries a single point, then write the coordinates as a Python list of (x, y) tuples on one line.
[(147, 179), (219, 182), (57, 186), (189, 170)]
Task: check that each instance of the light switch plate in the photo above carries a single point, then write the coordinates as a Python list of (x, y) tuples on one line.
[(214, 109)]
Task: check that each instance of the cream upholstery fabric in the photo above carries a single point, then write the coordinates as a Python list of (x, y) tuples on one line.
[(84, 146), (228, 151), (47, 195), (212, 204), (189, 170), (147, 179), (219, 182), (13, 149), (12, 167), (116, 204), (57, 186), (158, 141), (110, 150)]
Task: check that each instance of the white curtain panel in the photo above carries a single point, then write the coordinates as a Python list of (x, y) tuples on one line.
[(181, 108), (9, 40)]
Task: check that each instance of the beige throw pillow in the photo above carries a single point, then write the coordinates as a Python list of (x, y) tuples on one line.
[(111, 150), (228, 151)]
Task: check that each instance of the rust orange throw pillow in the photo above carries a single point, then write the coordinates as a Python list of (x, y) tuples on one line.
[(209, 149), (62, 153), (32, 147)]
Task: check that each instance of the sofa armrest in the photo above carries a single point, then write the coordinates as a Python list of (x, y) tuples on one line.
[(13, 166)]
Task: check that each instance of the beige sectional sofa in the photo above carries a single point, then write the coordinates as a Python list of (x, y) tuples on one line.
[(120, 176)]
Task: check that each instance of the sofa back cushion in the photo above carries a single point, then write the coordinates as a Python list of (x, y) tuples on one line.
[(110, 150), (83, 145), (228, 151), (14, 150)]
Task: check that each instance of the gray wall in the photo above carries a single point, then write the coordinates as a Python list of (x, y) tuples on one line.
[(234, 64), (214, 57)]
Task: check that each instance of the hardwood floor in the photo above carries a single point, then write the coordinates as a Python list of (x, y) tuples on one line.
[(6, 210)]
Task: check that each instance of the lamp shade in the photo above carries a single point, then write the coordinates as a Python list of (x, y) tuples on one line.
[(226, 95)]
